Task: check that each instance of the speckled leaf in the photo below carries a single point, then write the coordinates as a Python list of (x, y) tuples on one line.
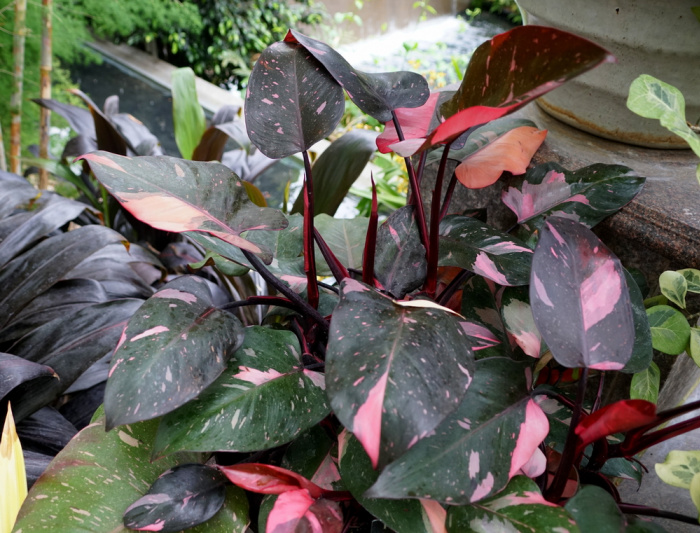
[(595, 511), (679, 468), (484, 325), (177, 195), (400, 264), (642, 352), (674, 286), (175, 346), (473, 453), (345, 237), (402, 516), (519, 322), (520, 507), (99, 475), (645, 384), (670, 330), (291, 102), (394, 371), (182, 497), (375, 94), (467, 243), (579, 298), (264, 399)]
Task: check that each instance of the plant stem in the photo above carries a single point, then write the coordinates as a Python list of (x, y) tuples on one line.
[(415, 189), (260, 300), (555, 491), (337, 268), (370, 240), (453, 286), (630, 508), (20, 31), (448, 196), (433, 249), (280, 287), (309, 253), (555, 396), (45, 91)]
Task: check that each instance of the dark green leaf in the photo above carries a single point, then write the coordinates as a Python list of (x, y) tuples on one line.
[(264, 399), (172, 349), (394, 370), (188, 115), (642, 352), (670, 330), (484, 325), (595, 511)]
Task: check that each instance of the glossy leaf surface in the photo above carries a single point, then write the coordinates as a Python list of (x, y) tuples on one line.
[(595, 511), (375, 94), (176, 195), (481, 306), (188, 116), (472, 245), (670, 330), (263, 399), (518, 508), (642, 352), (393, 371), (618, 417), (15, 371), (269, 479), (580, 299), (85, 486), (467, 459), (172, 349), (182, 497), (692, 278), (674, 286), (400, 263), (291, 102), (296, 511)]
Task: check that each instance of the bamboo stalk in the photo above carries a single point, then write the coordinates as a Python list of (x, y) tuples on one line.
[(45, 83), (20, 32), (3, 161)]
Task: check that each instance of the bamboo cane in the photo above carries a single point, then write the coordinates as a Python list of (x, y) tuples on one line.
[(3, 161), (16, 100), (45, 83)]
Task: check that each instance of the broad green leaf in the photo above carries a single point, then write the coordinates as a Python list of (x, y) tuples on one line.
[(467, 458), (188, 115), (33, 272), (397, 371), (176, 195), (595, 511), (518, 320), (670, 330), (588, 195), (692, 278), (182, 497), (285, 244), (642, 352), (375, 94), (175, 346), (579, 298), (518, 508), (345, 237), (674, 286), (265, 398), (91, 483), (13, 480), (694, 345), (472, 245), (223, 265), (402, 516), (679, 468), (292, 102), (652, 98), (695, 492), (400, 263), (645, 384), (336, 170)]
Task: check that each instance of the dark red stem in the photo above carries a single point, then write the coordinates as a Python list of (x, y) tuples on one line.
[(309, 255), (630, 508), (448, 196), (433, 249), (337, 268), (453, 286), (370, 240)]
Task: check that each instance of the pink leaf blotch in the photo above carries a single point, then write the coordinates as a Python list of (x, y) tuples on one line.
[(288, 510), (367, 424), (532, 432)]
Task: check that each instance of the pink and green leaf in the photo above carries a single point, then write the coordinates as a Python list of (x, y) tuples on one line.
[(519, 323)]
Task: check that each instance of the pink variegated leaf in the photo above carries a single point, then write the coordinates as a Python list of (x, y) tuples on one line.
[(269, 479), (519, 323), (394, 390), (177, 195), (298, 512), (618, 417), (478, 448), (579, 298), (480, 336), (415, 124)]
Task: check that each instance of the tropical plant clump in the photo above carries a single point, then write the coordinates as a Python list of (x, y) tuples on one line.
[(428, 374)]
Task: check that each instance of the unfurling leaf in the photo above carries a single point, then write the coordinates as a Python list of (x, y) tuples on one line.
[(618, 417), (269, 479), (13, 480)]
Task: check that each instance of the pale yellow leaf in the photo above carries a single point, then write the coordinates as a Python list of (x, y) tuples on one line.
[(13, 480)]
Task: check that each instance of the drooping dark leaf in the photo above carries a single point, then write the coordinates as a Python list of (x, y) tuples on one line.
[(14, 371), (580, 299), (97, 373), (375, 94), (670, 330), (402, 516), (264, 399), (31, 273), (138, 137), (587, 195), (99, 474), (492, 435), (472, 245), (172, 349), (642, 352), (518, 508), (182, 497), (70, 344), (14, 193), (45, 431), (595, 511), (108, 138), (79, 118), (291, 102), (400, 263), (396, 372), (177, 195)]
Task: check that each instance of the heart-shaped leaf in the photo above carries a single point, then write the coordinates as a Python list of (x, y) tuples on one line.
[(618, 417), (395, 389), (467, 459), (176, 195), (375, 94), (172, 349), (467, 243), (182, 497), (645, 384), (519, 507), (670, 330), (291, 102), (242, 410), (674, 286), (580, 299)]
